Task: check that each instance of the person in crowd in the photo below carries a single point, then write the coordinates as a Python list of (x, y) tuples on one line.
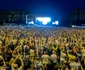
[(56, 48), (53, 57)]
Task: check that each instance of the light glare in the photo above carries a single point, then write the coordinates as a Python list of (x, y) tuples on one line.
[(44, 23), (32, 22), (53, 22), (39, 19), (56, 22), (43, 19)]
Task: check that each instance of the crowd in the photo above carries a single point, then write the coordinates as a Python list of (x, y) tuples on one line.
[(43, 48)]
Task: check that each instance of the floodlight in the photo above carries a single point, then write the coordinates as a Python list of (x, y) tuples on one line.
[(73, 26), (56, 22), (53, 22), (32, 22)]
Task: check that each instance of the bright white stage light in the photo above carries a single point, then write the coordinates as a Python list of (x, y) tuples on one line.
[(47, 19), (39, 19), (32, 22), (73, 26), (43, 19), (53, 23), (44, 22), (56, 22)]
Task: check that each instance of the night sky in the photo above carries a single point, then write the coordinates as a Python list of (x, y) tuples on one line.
[(58, 9)]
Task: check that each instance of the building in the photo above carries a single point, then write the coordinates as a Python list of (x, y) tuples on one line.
[(13, 16), (19, 17), (77, 17)]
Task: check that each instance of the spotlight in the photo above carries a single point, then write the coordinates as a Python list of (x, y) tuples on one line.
[(32, 22), (53, 23), (56, 22)]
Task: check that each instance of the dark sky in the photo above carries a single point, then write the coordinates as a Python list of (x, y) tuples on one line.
[(58, 9)]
